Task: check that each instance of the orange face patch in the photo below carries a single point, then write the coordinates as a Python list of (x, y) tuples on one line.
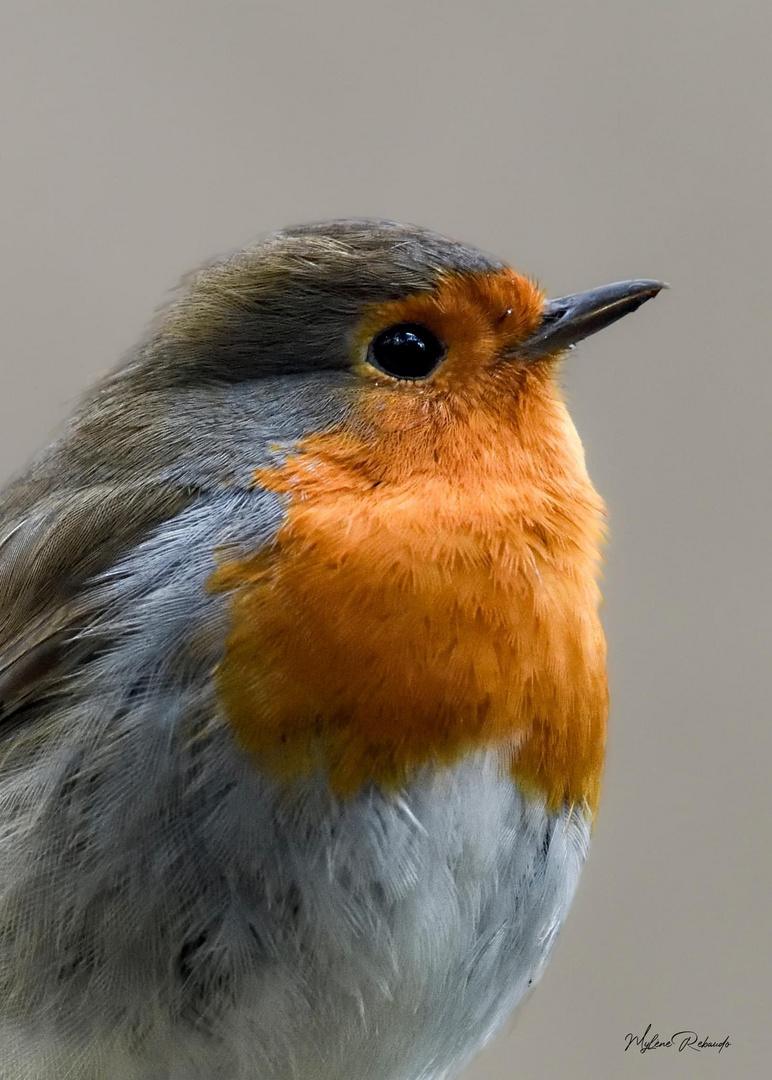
[(480, 317), (432, 589)]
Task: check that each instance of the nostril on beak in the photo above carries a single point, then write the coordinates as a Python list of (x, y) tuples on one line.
[(553, 314)]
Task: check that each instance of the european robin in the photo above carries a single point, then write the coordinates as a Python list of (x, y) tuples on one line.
[(302, 677)]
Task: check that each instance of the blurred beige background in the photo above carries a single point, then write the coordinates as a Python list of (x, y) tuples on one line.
[(586, 141)]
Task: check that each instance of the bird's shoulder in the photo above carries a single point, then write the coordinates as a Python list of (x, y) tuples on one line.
[(81, 563)]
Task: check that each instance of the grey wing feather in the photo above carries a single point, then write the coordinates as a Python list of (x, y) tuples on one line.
[(47, 556)]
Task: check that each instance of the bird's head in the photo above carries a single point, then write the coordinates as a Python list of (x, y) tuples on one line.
[(427, 349)]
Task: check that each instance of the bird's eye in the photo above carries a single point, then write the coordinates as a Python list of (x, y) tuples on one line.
[(406, 351)]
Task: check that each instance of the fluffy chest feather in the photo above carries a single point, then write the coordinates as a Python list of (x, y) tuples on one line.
[(408, 616)]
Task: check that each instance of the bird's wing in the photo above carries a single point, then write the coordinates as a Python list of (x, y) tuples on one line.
[(51, 545)]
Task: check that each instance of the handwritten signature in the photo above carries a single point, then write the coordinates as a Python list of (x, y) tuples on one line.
[(681, 1040)]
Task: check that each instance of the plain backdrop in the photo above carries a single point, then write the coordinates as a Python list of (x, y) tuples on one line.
[(586, 142)]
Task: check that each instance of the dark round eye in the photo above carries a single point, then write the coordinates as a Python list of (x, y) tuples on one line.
[(406, 351)]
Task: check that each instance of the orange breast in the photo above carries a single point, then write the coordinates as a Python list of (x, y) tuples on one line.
[(425, 597)]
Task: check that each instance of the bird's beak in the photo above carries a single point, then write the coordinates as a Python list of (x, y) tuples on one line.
[(568, 319)]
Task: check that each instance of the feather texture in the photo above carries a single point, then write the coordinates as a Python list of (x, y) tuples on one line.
[(171, 906)]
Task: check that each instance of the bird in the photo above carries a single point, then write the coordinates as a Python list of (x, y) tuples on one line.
[(303, 694)]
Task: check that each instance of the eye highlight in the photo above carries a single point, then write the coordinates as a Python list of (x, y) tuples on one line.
[(406, 351)]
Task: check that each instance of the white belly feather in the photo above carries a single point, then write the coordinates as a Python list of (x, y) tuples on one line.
[(300, 937)]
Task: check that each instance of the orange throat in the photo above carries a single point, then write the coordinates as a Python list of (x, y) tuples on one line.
[(432, 590), (410, 614)]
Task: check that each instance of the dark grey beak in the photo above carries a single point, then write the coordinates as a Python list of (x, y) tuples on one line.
[(571, 318)]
